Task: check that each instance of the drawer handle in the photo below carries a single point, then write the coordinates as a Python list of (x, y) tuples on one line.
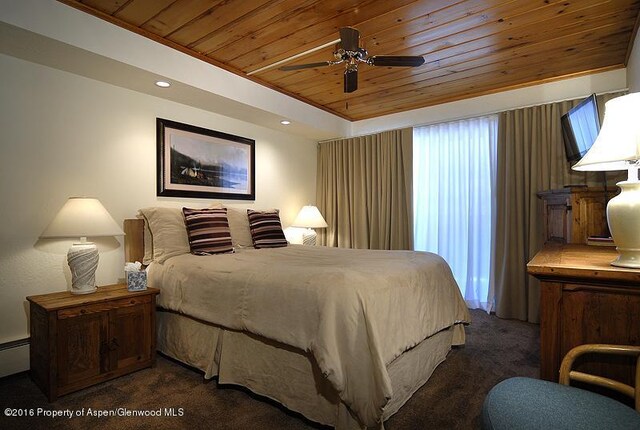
[(113, 345), (83, 311)]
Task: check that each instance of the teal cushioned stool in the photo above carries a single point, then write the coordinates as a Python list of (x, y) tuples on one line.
[(533, 404)]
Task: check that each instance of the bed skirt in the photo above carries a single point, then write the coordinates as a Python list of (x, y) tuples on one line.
[(289, 375)]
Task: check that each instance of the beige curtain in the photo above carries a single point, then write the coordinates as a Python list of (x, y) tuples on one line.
[(531, 158), (364, 191)]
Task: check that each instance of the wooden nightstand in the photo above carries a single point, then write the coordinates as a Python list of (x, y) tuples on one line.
[(81, 340), (583, 299)]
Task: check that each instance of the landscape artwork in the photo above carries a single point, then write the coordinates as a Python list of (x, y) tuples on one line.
[(202, 163)]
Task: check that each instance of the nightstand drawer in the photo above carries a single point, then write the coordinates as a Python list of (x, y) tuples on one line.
[(102, 307)]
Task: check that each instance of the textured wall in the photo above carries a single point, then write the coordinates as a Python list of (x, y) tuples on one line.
[(64, 135)]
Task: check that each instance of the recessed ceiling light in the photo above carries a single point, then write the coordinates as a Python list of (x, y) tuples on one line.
[(163, 84), (285, 122)]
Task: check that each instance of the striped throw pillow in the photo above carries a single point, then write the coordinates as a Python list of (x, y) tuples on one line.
[(266, 230), (208, 231)]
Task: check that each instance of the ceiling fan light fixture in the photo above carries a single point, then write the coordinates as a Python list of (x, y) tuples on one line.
[(351, 79), (348, 51)]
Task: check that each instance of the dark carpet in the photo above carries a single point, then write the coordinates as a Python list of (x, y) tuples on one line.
[(496, 349)]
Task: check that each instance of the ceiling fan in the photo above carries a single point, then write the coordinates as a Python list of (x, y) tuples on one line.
[(348, 51)]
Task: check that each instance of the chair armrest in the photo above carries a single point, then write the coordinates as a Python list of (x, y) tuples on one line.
[(566, 374)]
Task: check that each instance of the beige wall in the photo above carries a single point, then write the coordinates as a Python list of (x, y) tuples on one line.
[(633, 66), (65, 135)]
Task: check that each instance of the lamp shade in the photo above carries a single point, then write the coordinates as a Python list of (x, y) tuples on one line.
[(309, 217), (619, 140), (82, 217)]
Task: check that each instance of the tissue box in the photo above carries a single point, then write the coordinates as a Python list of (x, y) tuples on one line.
[(136, 281)]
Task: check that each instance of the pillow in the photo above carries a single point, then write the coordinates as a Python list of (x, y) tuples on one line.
[(208, 231), (168, 233), (266, 230), (239, 226)]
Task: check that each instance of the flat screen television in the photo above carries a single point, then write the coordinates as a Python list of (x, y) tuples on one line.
[(580, 127)]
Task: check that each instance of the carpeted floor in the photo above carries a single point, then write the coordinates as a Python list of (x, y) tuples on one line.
[(496, 349)]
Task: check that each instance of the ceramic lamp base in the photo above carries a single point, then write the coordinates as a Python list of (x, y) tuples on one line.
[(623, 215), (83, 262), (309, 237)]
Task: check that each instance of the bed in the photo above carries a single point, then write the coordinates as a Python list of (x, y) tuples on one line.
[(344, 337)]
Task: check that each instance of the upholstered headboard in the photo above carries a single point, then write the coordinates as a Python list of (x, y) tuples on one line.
[(133, 239)]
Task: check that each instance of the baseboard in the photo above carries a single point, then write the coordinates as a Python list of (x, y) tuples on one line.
[(14, 357)]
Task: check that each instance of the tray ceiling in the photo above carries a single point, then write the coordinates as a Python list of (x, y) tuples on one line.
[(471, 47)]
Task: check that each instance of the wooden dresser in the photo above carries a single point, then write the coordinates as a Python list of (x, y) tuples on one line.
[(81, 340), (583, 299), (572, 214)]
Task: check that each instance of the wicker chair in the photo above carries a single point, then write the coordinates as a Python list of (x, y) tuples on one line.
[(533, 404)]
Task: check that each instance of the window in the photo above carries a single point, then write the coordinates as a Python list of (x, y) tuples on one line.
[(454, 178)]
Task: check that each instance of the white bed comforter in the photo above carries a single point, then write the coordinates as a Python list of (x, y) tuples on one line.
[(353, 310)]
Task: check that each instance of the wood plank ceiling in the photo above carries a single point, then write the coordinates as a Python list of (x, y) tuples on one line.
[(471, 47)]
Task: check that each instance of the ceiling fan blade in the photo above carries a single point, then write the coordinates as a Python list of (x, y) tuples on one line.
[(395, 61), (349, 39), (350, 80), (305, 66)]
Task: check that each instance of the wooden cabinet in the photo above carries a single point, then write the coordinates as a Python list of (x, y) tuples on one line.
[(572, 214), (586, 300), (80, 340)]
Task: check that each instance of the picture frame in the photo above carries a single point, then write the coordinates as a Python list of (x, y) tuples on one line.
[(196, 162)]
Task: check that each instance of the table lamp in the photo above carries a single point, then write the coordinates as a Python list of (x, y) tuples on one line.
[(82, 217), (617, 147), (309, 217)]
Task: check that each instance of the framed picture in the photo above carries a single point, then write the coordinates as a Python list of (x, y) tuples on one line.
[(202, 163)]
